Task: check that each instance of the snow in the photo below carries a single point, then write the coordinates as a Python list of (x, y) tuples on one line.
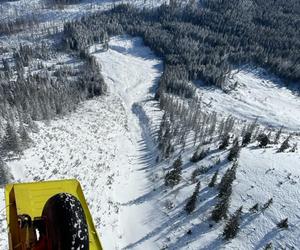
[(103, 145), (258, 95), (107, 144)]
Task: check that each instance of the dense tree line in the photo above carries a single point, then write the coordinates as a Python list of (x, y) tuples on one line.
[(30, 91), (20, 23), (206, 43), (61, 2)]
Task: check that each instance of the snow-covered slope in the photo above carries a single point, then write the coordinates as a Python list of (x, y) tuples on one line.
[(257, 95), (103, 145)]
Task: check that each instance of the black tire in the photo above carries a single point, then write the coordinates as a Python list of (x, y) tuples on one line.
[(66, 223)]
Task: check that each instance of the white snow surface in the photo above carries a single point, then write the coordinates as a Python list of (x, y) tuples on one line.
[(107, 145), (258, 95), (103, 145)]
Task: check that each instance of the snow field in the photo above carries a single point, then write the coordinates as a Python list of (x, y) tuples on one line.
[(258, 95), (102, 145)]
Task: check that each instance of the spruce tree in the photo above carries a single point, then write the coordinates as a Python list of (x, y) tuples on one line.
[(173, 177), (224, 142), (225, 186), (221, 208), (285, 145), (191, 204), (11, 141), (233, 225), (234, 151), (246, 138), (213, 179), (263, 140)]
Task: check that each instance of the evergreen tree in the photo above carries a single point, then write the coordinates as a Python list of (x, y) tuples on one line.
[(285, 145), (24, 137), (173, 177), (224, 142), (213, 179), (277, 136), (10, 142), (246, 138), (220, 210), (191, 204), (233, 225), (225, 186), (234, 151), (177, 163), (263, 140), (199, 156)]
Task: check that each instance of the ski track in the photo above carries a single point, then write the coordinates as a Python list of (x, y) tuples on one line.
[(103, 145)]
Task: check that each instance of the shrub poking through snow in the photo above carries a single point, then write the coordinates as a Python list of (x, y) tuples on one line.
[(269, 246), (233, 225), (191, 204), (224, 142), (267, 204), (263, 140), (213, 179), (173, 177), (283, 223), (234, 151), (285, 145)]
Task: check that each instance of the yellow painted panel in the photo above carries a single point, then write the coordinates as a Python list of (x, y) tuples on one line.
[(30, 198)]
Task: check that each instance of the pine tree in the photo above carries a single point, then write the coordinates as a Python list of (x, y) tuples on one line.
[(220, 210), (233, 225), (277, 136), (173, 177), (263, 140), (191, 204), (3, 173), (224, 142), (234, 151), (225, 186), (10, 141), (285, 145), (246, 138), (213, 179), (199, 156), (24, 137), (177, 163)]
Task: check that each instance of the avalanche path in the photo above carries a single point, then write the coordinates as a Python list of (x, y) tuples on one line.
[(106, 144)]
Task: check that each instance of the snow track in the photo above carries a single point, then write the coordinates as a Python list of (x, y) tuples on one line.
[(103, 145)]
